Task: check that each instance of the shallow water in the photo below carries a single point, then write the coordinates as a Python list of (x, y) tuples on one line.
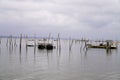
[(59, 64)]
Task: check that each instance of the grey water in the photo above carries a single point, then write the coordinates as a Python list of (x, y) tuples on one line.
[(30, 63)]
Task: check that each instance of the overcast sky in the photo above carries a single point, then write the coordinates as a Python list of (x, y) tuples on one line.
[(76, 18)]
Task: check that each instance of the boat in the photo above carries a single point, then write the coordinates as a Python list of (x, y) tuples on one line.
[(109, 44), (30, 43), (47, 46)]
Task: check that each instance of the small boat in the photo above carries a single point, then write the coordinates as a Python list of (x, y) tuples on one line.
[(41, 46), (47, 46), (30, 43), (109, 45)]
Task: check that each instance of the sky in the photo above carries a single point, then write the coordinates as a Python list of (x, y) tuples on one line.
[(99, 19)]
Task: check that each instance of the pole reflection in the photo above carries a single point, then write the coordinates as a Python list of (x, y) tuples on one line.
[(109, 52), (20, 54), (34, 54)]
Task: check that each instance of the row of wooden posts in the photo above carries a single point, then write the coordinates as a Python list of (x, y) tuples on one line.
[(12, 42)]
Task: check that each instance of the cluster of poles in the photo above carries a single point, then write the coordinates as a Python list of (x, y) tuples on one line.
[(13, 43)]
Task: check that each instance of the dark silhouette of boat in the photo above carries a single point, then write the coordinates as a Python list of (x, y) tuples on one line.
[(47, 46)]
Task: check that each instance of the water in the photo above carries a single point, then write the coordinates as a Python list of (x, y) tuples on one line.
[(78, 64)]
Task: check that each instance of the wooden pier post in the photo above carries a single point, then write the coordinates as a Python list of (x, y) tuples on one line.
[(20, 42), (49, 37), (59, 42), (70, 43)]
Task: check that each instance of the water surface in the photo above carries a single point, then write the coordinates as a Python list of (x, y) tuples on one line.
[(59, 64)]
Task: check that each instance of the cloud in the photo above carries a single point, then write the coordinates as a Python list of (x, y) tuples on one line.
[(74, 17)]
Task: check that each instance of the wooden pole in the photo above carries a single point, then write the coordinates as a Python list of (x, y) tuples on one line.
[(34, 44), (59, 42), (20, 42), (7, 42), (49, 37), (69, 44)]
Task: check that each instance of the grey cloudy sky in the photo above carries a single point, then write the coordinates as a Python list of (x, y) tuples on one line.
[(75, 18)]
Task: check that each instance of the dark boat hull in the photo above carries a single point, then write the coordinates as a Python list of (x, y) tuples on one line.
[(45, 46), (103, 47)]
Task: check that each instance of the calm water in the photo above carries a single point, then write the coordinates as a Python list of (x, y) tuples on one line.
[(78, 64)]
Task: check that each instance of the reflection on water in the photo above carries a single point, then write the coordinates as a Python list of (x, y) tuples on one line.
[(79, 63), (110, 51)]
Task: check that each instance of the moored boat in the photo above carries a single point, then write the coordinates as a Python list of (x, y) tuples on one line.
[(108, 45), (47, 46)]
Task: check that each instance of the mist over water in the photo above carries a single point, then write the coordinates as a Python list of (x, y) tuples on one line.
[(77, 63)]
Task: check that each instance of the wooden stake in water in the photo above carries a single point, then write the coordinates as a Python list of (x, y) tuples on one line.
[(26, 40), (70, 43), (7, 43), (20, 42), (34, 44), (59, 41), (49, 37), (15, 44)]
